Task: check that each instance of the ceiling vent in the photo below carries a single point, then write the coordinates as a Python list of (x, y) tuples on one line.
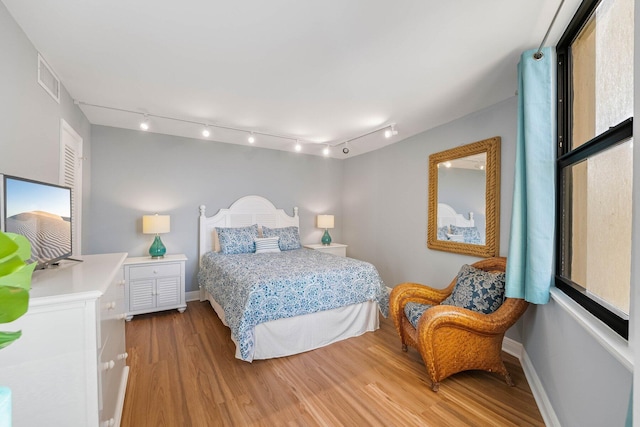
[(48, 79)]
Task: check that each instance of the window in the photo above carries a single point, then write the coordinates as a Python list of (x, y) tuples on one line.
[(595, 143)]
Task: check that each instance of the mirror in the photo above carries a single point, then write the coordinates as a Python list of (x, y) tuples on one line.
[(464, 199)]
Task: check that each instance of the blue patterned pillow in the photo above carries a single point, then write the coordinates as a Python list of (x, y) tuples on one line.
[(289, 237), (442, 233), (469, 234), (477, 290), (414, 310), (267, 244), (237, 240)]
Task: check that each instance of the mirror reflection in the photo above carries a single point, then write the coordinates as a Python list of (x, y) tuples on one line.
[(464, 199), (461, 199)]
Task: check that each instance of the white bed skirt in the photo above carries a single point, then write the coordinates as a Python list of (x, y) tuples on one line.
[(284, 337)]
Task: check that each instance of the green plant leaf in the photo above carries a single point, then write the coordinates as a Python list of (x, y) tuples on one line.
[(8, 246), (24, 247), (14, 272), (7, 338), (15, 281), (14, 302)]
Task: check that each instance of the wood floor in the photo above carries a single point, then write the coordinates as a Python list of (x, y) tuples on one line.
[(184, 373)]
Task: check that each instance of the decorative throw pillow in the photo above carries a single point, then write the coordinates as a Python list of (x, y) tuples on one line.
[(238, 240), (414, 310), (455, 237), (477, 290), (442, 233), (469, 234), (267, 244), (289, 237)]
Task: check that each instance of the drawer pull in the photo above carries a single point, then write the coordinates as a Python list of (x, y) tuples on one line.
[(155, 271), (121, 282), (109, 423), (111, 305), (108, 365), (122, 316), (123, 356)]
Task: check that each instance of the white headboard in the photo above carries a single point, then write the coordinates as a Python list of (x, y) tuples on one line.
[(448, 216), (245, 211)]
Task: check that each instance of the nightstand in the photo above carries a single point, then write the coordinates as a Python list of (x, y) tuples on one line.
[(334, 248), (154, 284)]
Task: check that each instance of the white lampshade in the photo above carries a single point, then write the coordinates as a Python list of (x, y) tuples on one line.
[(156, 224), (325, 221)]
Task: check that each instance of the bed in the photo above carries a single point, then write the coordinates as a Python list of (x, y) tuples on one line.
[(454, 227), (288, 301)]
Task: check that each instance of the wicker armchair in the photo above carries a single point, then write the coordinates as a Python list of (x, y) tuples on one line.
[(453, 339)]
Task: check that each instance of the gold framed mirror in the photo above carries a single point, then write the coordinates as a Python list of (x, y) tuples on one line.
[(464, 199)]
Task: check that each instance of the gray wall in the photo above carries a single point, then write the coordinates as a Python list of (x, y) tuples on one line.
[(30, 125), (385, 198), (136, 173)]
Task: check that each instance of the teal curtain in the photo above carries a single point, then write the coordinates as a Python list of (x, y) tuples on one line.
[(530, 262)]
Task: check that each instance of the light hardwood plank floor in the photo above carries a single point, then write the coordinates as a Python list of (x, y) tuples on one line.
[(184, 373)]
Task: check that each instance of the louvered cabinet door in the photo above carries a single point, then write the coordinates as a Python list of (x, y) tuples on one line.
[(154, 284)]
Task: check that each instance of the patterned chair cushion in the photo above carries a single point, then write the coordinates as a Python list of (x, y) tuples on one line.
[(413, 311), (477, 290), (289, 237), (238, 240)]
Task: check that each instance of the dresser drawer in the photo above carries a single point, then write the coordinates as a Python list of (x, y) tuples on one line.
[(151, 271)]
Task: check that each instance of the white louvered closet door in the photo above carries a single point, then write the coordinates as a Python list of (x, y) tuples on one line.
[(71, 176)]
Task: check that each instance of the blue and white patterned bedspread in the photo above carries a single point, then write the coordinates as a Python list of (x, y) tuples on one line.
[(256, 288)]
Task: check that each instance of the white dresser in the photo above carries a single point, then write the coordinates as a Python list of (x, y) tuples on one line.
[(154, 284), (69, 367), (334, 248)]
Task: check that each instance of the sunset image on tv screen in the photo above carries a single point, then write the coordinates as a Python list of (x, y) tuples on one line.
[(42, 213)]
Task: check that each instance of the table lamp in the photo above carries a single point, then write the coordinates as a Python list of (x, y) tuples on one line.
[(156, 224), (326, 222)]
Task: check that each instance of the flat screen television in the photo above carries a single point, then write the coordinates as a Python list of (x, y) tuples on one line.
[(42, 213)]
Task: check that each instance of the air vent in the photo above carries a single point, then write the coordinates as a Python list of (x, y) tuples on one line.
[(48, 79)]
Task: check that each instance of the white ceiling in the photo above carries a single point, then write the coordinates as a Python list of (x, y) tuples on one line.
[(323, 71)]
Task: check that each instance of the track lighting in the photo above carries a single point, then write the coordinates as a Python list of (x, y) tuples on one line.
[(144, 124), (391, 131)]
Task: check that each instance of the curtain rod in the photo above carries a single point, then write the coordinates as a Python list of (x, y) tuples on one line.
[(538, 55)]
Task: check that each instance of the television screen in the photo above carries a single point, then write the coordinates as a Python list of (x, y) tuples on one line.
[(42, 213)]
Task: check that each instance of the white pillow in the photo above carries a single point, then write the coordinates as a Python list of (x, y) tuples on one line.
[(267, 244)]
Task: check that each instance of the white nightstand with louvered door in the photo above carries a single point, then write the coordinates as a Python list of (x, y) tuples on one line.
[(154, 284)]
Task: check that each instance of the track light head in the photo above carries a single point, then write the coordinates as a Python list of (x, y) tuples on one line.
[(251, 138), (144, 124), (391, 131), (298, 147), (326, 151), (345, 150), (206, 132)]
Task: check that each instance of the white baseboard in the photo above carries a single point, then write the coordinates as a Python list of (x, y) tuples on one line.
[(192, 296), (516, 349), (512, 347)]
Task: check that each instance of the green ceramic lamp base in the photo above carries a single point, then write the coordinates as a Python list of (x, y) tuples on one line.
[(157, 249), (326, 239)]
